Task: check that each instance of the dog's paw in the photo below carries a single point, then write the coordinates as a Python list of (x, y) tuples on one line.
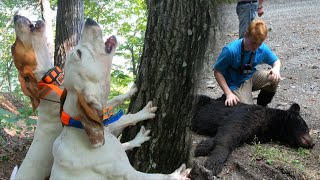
[(182, 173), (141, 137), (149, 110)]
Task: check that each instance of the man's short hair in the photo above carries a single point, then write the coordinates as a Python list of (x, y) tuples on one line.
[(257, 30)]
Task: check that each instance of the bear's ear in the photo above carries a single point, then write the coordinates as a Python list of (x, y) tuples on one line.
[(295, 108)]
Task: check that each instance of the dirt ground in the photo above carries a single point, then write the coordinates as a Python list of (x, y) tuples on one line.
[(13, 144), (294, 36)]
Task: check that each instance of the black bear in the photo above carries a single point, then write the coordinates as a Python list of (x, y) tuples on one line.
[(229, 127)]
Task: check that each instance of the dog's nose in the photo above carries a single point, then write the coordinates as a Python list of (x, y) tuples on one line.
[(90, 22), (16, 17)]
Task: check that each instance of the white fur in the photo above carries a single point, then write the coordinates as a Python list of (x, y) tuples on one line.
[(38, 161), (74, 156), (141, 137), (14, 172)]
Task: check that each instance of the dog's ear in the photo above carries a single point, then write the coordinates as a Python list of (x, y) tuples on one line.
[(29, 87), (91, 121), (25, 61)]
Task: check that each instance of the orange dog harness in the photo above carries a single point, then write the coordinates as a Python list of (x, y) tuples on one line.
[(51, 82)]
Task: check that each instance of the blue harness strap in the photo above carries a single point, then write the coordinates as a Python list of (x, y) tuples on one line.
[(113, 118), (105, 122), (75, 123)]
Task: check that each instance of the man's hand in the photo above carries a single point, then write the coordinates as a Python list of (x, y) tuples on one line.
[(274, 75), (260, 8), (231, 100), (260, 11)]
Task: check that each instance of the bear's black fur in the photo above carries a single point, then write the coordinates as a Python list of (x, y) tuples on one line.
[(229, 127)]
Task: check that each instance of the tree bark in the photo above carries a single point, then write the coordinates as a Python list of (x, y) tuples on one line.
[(70, 18), (175, 44), (133, 61)]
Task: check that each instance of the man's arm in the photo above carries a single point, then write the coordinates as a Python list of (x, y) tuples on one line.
[(260, 8), (275, 71), (231, 99)]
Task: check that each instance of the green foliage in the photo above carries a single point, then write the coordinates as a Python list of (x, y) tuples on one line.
[(7, 40), (303, 152), (126, 19), (120, 84)]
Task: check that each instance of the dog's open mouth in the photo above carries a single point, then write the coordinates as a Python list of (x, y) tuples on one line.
[(110, 44), (31, 26), (38, 27)]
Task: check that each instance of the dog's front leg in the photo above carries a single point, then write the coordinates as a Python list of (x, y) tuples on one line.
[(182, 173), (116, 101), (141, 137), (148, 112)]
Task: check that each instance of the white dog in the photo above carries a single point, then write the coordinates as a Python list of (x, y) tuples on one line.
[(94, 152), (39, 79)]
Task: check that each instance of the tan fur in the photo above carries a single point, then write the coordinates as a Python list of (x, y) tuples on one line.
[(25, 61)]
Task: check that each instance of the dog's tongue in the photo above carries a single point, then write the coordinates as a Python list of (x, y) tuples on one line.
[(110, 43)]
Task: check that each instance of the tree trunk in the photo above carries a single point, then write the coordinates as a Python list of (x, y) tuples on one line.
[(47, 17), (175, 44), (70, 18)]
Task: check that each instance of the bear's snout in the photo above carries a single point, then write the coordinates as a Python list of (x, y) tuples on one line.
[(306, 141)]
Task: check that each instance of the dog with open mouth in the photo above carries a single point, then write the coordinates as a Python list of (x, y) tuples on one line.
[(39, 79), (94, 152)]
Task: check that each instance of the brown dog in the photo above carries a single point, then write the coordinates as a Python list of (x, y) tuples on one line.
[(36, 75), (26, 59)]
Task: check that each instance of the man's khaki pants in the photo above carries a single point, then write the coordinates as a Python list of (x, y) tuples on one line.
[(259, 81)]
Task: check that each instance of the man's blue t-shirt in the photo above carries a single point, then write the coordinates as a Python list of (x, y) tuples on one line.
[(229, 62)]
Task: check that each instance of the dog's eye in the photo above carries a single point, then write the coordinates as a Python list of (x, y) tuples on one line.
[(27, 79), (79, 53)]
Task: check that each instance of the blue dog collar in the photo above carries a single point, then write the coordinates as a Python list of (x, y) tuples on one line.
[(69, 121)]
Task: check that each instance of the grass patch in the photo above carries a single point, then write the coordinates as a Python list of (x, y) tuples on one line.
[(272, 153)]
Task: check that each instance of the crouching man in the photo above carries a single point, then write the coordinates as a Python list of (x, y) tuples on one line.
[(235, 69)]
